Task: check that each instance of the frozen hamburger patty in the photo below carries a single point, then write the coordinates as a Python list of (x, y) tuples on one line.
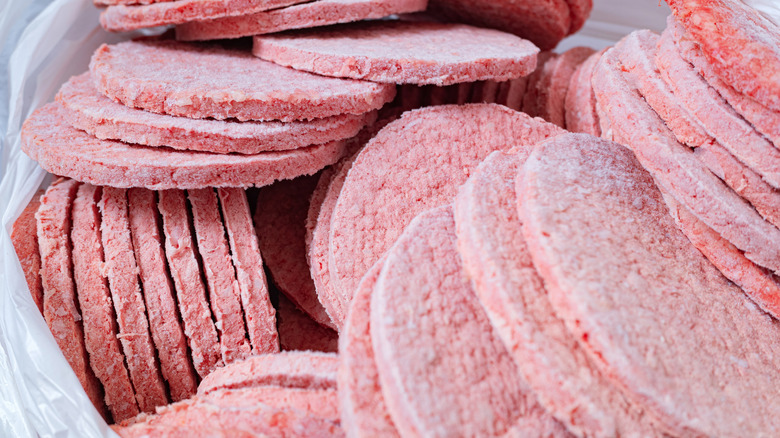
[(197, 81), (401, 52)]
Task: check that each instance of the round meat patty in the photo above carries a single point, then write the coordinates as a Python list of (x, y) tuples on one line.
[(312, 14), (121, 18), (437, 354), (401, 52), (202, 81), (413, 164)]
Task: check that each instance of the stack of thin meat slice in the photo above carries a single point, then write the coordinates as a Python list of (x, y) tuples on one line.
[(707, 131)]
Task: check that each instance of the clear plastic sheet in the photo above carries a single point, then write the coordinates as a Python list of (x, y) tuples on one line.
[(39, 394)]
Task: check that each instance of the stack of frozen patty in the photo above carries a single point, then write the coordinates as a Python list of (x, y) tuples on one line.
[(707, 130)]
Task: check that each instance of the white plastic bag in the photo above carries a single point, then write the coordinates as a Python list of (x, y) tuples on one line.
[(40, 393)]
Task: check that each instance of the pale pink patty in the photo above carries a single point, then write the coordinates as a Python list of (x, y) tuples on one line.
[(323, 202), (742, 46), (24, 237), (580, 102), (515, 90), (749, 185), (86, 109), (362, 405), (637, 54), (437, 354), (289, 369), (251, 412), (102, 3), (717, 117), (122, 273), (259, 313), (683, 342), (544, 22), (312, 14), (280, 222), (121, 18), (97, 311), (414, 164), (495, 257), (223, 289), (765, 120), (538, 86), (298, 331), (759, 284), (188, 281), (579, 12), (677, 170), (60, 309), (553, 109), (197, 81), (63, 150), (400, 52), (158, 289)]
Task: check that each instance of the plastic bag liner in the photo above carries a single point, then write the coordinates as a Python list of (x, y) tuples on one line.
[(39, 393)]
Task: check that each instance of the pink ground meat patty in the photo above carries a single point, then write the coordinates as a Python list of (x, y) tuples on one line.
[(759, 284), (259, 314), (130, 17), (24, 236), (247, 412), (197, 81), (413, 164), (312, 14), (291, 369), (280, 222), (400, 52), (676, 169), (63, 150), (437, 354), (544, 22), (363, 408), (716, 116), (59, 296), (554, 108), (765, 120), (86, 109)]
